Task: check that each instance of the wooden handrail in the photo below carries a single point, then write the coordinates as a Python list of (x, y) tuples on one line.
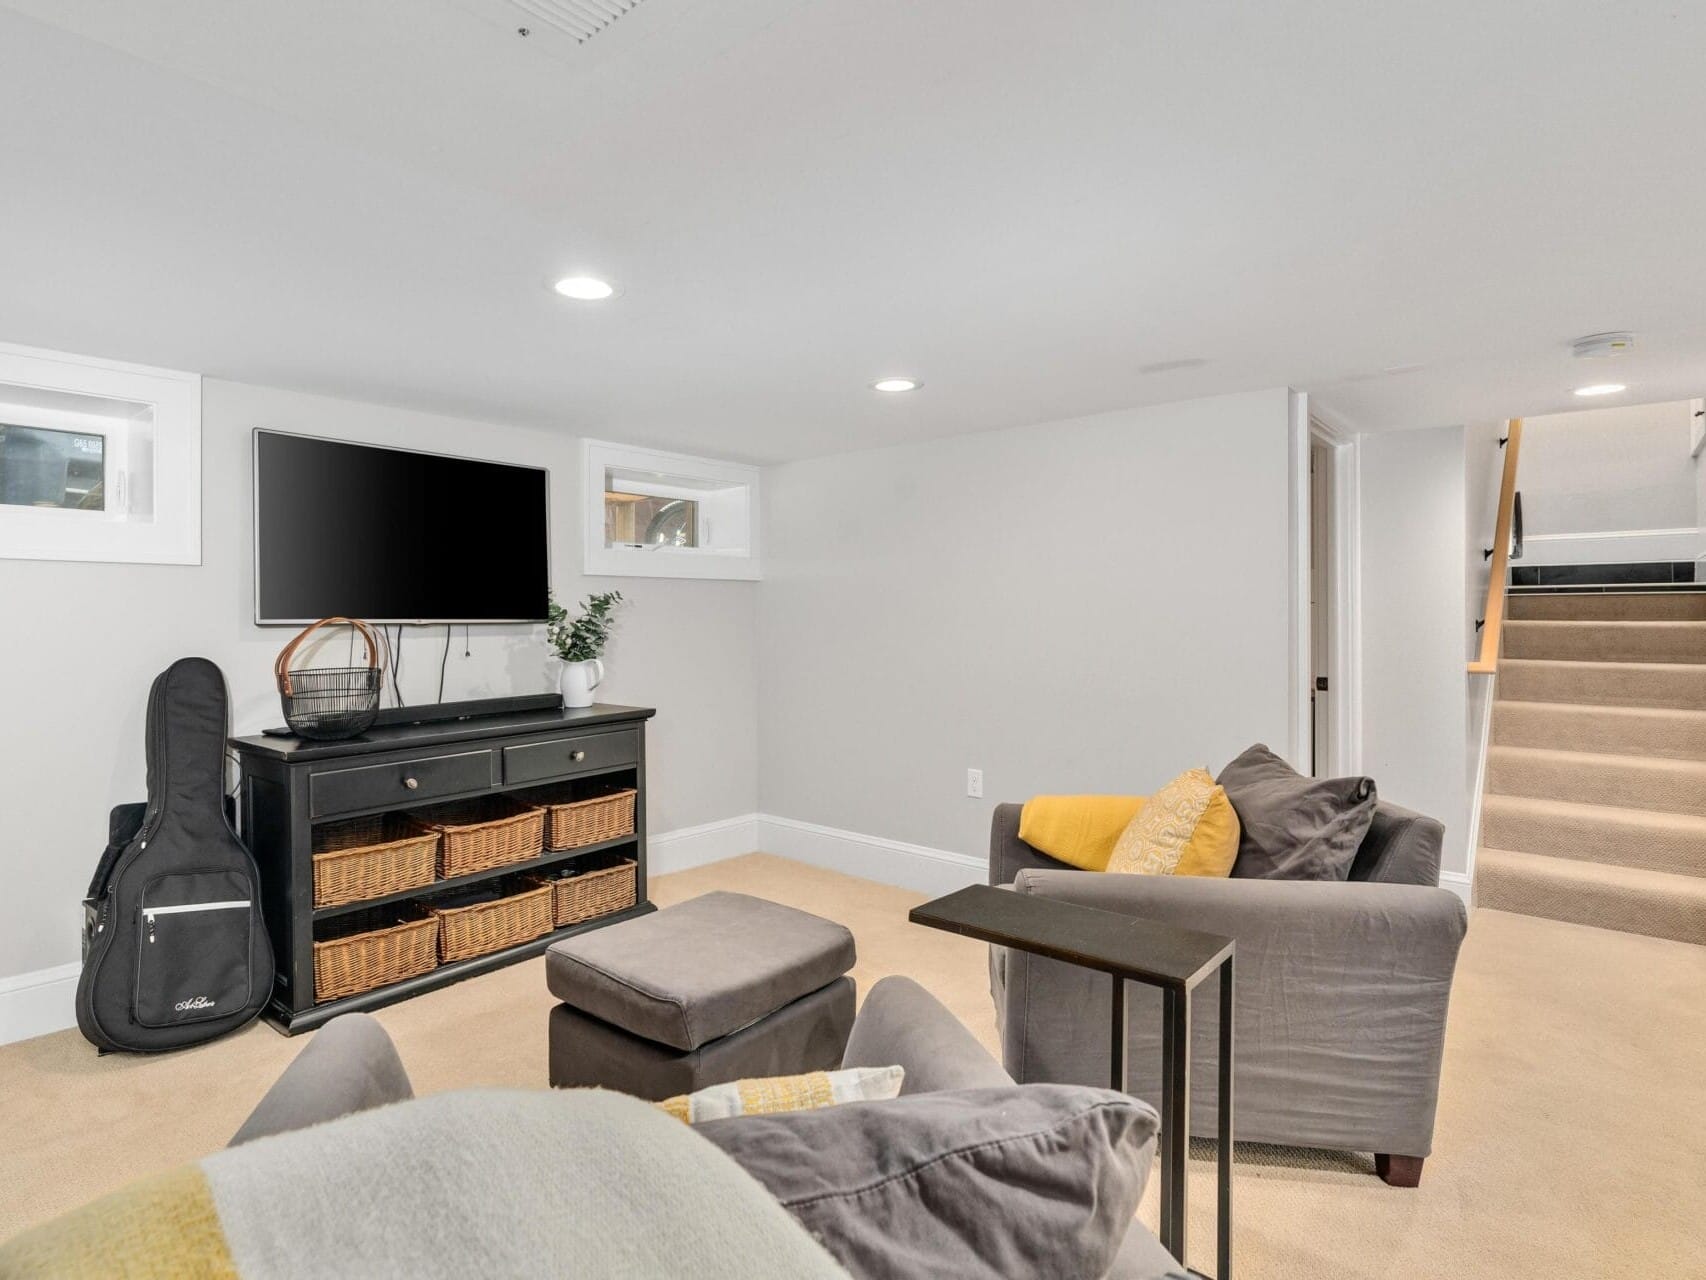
[(1487, 662)]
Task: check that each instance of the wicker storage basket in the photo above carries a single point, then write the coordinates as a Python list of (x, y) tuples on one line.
[(362, 961), (572, 823), (485, 833), (371, 857), (593, 893), (492, 926)]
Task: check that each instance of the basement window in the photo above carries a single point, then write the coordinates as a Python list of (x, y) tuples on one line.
[(48, 467), (98, 460), (668, 515)]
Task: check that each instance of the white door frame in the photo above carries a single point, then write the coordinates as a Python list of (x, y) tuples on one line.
[(1344, 646)]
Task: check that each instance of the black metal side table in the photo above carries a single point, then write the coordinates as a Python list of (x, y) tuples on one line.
[(1131, 950)]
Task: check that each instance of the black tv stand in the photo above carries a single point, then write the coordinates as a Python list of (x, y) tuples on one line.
[(291, 786), (441, 712)]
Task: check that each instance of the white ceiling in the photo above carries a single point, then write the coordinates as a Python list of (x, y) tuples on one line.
[(1027, 204)]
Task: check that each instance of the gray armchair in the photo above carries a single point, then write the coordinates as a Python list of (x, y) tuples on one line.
[(1342, 990)]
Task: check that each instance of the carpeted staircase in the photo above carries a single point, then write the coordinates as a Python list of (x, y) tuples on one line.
[(1595, 802)]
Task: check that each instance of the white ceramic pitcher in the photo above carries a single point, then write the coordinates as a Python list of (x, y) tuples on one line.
[(578, 680)]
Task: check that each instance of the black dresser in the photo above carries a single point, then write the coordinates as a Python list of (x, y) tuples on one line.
[(294, 789)]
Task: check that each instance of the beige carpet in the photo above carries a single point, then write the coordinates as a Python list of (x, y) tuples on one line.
[(1571, 1137), (1604, 821)]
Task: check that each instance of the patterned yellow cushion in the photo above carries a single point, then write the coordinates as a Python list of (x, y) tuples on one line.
[(1188, 828), (786, 1093)]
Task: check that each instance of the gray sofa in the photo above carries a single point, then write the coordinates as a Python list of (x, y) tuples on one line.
[(1342, 988), (351, 1065)]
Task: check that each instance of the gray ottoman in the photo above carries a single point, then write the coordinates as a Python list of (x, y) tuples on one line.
[(718, 988)]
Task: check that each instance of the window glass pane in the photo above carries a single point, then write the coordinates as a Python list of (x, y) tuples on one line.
[(40, 467), (637, 519)]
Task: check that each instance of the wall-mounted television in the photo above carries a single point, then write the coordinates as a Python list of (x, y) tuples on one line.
[(391, 535)]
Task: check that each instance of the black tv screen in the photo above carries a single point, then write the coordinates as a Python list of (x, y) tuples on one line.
[(389, 535)]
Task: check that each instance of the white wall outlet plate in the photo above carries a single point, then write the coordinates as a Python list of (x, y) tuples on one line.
[(974, 783)]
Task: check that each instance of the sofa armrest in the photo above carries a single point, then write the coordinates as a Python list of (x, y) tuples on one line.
[(350, 1065), (1009, 855), (1401, 847), (1348, 919), (903, 1024), (1342, 992)]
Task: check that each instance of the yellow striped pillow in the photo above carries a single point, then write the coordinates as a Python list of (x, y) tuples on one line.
[(786, 1093)]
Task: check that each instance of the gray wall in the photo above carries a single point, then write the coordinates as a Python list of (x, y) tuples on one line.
[(82, 641), (1091, 605), (1414, 517), (1608, 469)]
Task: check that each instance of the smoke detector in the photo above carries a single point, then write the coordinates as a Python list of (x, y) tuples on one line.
[(1598, 346)]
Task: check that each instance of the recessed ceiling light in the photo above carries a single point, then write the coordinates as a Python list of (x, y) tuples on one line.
[(1600, 389), (583, 288), (896, 384)]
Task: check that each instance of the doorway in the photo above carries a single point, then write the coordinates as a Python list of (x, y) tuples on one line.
[(1332, 601), (1320, 604)]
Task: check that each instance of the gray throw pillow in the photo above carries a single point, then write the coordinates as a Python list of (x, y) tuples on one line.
[(1292, 827), (965, 1184)]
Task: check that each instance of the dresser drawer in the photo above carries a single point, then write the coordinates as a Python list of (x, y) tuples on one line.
[(564, 757), (402, 783)]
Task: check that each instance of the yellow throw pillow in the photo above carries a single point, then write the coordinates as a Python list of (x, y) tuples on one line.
[(1188, 828), (786, 1093), (1077, 830)]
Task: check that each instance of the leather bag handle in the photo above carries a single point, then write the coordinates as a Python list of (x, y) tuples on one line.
[(281, 664)]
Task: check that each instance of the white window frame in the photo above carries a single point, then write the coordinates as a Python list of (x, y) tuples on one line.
[(598, 457), (151, 422)]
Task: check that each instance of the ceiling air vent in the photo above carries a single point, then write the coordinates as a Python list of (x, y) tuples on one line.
[(582, 19)]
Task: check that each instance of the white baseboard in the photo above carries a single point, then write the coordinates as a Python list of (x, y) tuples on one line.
[(36, 1004), (695, 846), (1460, 883), (910, 866)]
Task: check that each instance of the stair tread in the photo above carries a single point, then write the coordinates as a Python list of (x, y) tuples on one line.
[(1605, 813), (1578, 664), (1600, 759), (1611, 605), (1544, 866), (1608, 708), (1658, 904), (1662, 624), (1671, 733), (1598, 682), (1606, 640)]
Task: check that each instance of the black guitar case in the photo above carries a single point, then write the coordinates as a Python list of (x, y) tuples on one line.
[(174, 948)]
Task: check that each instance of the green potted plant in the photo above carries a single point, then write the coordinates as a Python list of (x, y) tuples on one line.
[(579, 642)]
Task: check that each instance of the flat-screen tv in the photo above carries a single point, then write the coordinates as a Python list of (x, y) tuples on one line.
[(390, 535)]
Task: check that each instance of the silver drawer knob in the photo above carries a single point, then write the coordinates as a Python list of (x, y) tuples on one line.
[(411, 783), (577, 756)]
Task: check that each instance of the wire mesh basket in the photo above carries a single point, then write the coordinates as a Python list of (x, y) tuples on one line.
[(328, 703)]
